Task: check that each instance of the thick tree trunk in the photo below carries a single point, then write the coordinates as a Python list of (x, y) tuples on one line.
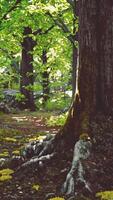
[(95, 84), (96, 47), (45, 79), (95, 81), (26, 70)]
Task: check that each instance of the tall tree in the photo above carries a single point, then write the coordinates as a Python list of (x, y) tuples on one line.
[(95, 77), (94, 94), (26, 70)]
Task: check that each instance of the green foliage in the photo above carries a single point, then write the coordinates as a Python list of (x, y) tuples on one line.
[(105, 195), (1, 96), (57, 102), (34, 14), (57, 120), (19, 97)]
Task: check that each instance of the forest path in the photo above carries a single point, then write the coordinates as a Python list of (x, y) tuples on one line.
[(16, 130), (27, 121)]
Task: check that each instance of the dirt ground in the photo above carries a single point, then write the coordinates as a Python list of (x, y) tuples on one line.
[(16, 130), (34, 183)]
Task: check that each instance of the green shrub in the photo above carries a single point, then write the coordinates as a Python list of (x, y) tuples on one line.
[(56, 120)]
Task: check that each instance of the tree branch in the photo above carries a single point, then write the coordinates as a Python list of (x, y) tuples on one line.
[(40, 32), (62, 25), (49, 29), (11, 9)]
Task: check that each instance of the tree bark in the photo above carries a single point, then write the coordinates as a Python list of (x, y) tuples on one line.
[(96, 71), (74, 50), (95, 78), (95, 82), (26, 70)]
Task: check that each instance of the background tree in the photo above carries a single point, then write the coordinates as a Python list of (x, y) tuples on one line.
[(15, 24), (45, 78), (93, 98), (26, 70)]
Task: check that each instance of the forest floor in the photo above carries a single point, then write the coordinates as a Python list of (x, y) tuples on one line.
[(16, 130), (34, 183)]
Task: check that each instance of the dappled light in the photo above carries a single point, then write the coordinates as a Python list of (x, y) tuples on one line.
[(21, 129), (19, 119), (56, 100)]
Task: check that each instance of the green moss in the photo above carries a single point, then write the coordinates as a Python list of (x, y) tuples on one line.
[(9, 139), (106, 195), (84, 122), (36, 187), (57, 198), (6, 171), (56, 120), (5, 178), (5, 174), (4, 154), (84, 136), (16, 152)]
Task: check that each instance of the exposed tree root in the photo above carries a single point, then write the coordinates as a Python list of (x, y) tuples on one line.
[(38, 160), (45, 150), (39, 148), (76, 174), (40, 152)]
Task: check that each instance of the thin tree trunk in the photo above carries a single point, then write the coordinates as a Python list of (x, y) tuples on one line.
[(26, 70), (45, 78)]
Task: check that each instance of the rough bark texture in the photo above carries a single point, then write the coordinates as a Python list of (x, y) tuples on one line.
[(26, 70), (105, 50), (95, 81), (96, 47)]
